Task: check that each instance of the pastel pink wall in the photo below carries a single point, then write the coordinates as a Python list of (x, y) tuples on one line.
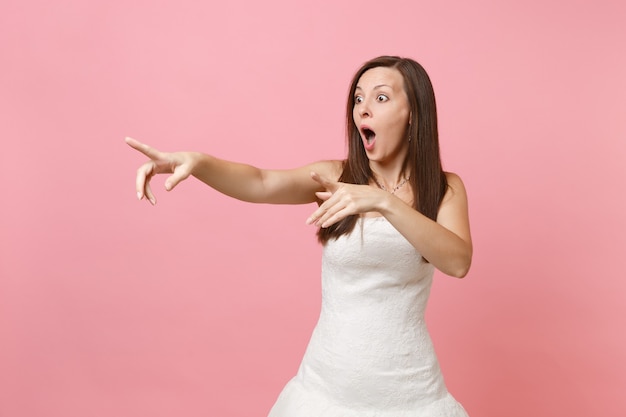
[(203, 305)]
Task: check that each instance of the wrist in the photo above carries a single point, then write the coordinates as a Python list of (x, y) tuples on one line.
[(385, 202), (199, 162)]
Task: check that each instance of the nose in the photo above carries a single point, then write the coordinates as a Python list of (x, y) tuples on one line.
[(364, 110)]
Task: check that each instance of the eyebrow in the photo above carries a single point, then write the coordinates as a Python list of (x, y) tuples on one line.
[(375, 87)]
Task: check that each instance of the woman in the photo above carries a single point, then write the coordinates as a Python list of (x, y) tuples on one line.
[(387, 216)]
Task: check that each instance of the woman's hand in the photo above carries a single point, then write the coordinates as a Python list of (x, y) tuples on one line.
[(180, 164), (341, 200)]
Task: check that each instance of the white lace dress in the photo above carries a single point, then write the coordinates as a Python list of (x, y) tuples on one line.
[(370, 354)]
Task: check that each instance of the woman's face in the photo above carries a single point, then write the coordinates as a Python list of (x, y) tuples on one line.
[(382, 115)]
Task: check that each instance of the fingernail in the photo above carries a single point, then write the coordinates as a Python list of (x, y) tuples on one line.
[(139, 196), (152, 201)]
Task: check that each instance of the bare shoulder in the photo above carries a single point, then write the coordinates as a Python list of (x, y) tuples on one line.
[(453, 212), (456, 188), (454, 180)]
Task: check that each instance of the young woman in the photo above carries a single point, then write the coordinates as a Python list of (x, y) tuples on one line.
[(387, 216)]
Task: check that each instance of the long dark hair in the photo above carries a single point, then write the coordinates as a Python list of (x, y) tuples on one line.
[(423, 161)]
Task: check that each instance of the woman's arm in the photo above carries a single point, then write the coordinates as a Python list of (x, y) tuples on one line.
[(240, 181), (446, 243)]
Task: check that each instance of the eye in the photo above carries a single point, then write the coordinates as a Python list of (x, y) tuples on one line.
[(382, 98), (358, 99)]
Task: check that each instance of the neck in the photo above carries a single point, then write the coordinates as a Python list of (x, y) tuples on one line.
[(388, 186), (389, 177)]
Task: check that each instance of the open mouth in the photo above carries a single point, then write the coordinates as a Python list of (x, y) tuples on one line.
[(368, 135)]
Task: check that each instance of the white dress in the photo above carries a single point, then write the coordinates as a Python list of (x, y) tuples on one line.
[(370, 354)]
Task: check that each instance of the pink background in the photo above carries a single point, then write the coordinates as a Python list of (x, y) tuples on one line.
[(203, 305)]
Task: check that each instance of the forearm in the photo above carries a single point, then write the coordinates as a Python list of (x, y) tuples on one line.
[(447, 251), (241, 181), (248, 183)]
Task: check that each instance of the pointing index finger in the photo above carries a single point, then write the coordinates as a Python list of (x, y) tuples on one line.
[(149, 151)]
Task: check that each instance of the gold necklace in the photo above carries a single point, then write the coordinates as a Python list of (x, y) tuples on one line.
[(396, 188)]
